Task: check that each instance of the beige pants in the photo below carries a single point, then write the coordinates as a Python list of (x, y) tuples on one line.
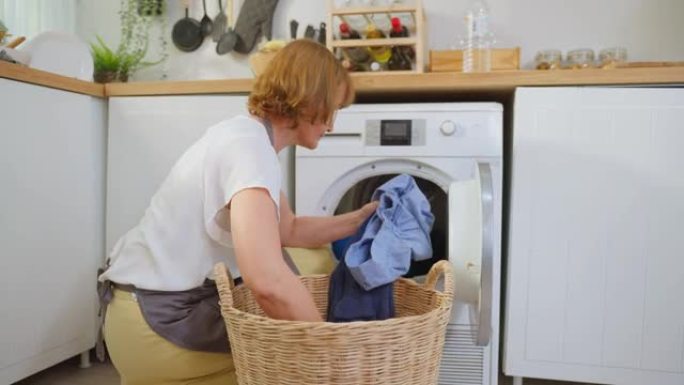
[(141, 356)]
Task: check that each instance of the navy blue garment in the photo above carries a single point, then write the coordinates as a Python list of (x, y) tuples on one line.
[(380, 252), (348, 301), (340, 246)]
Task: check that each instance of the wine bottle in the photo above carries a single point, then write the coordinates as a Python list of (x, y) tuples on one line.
[(358, 57), (399, 30)]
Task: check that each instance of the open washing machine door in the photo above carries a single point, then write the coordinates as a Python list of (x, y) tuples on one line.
[(471, 208)]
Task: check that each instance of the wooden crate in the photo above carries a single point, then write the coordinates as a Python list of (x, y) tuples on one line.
[(503, 59), (417, 39)]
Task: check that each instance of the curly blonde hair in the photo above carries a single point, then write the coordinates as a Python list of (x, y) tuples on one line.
[(301, 82)]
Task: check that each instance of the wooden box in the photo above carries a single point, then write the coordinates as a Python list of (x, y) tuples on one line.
[(503, 59)]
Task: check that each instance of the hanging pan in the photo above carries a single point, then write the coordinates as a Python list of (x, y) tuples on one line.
[(187, 32)]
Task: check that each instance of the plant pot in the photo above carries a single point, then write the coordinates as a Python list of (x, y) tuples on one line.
[(110, 77), (105, 77)]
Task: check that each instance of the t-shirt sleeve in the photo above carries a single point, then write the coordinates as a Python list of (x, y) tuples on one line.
[(247, 162)]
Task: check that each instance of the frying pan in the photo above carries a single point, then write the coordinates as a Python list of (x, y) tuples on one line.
[(227, 41), (187, 32)]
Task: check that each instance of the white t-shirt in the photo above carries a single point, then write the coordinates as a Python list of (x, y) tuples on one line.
[(186, 229)]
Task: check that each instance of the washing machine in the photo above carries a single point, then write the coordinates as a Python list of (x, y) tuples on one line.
[(454, 152)]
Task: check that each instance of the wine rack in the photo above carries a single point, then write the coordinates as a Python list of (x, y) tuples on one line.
[(416, 27)]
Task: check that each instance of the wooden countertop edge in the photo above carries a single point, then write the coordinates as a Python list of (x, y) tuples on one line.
[(428, 82), (47, 79), (365, 83), (502, 80), (190, 87)]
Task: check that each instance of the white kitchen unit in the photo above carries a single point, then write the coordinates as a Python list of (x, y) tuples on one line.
[(146, 137), (52, 221), (595, 256)]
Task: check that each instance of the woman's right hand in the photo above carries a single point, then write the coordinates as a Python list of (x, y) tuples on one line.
[(366, 211)]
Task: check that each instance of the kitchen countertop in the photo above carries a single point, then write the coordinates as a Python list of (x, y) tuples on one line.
[(48, 79), (367, 84)]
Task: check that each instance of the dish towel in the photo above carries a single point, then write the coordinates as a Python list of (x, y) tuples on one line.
[(380, 252)]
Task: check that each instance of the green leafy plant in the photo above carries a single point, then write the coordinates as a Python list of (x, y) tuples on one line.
[(137, 17), (113, 66), (105, 58)]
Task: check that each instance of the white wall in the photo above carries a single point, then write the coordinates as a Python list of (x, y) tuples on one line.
[(649, 29)]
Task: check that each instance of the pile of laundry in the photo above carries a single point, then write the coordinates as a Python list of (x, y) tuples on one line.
[(380, 252)]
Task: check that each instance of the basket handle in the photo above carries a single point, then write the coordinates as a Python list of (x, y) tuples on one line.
[(440, 268), (224, 283)]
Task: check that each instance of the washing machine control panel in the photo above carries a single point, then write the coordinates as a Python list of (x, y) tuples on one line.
[(395, 132)]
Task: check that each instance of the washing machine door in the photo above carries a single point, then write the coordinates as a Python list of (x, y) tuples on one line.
[(471, 248)]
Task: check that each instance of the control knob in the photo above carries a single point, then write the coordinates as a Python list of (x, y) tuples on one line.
[(447, 127)]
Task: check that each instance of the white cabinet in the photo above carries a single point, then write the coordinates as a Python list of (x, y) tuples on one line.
[(595, 254), (146, 136), (52, 222)]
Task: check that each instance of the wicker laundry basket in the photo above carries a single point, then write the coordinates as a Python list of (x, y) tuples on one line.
[(402, 350)]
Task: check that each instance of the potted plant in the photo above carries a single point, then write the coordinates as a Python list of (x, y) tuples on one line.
[(106, 62), (137, 16)]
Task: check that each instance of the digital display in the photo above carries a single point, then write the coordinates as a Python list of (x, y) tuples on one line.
[(395, 133)]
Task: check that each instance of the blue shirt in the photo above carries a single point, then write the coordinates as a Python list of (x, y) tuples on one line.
[(380, 252), (398, 232)]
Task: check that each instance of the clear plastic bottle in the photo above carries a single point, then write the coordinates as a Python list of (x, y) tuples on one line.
[(478, 41)]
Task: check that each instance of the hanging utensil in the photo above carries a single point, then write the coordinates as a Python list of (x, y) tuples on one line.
[(294, 24), (322, 34), (206, 23), (219, 23), (229, 38), (309, 32), (187, 32)]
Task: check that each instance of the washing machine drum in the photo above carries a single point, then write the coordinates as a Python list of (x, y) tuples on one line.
[(361, 193)]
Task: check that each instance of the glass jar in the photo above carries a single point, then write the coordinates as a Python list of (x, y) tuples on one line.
[(611, 57), (580, 58), (548, 59)]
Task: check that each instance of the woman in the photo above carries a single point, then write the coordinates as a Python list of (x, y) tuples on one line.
[(222, 202)]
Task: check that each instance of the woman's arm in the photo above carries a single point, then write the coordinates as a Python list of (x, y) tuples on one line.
[(254, 227), (317, 231)]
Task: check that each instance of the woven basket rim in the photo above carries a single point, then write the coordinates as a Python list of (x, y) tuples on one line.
[(442, 306)]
